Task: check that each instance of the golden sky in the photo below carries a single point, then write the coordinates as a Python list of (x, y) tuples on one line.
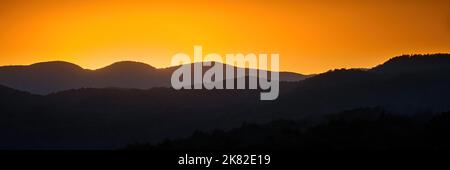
[(310, 36)]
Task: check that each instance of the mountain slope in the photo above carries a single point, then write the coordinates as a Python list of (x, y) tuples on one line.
[(414, 63), (49, 77), (43, 77), (410, 84)]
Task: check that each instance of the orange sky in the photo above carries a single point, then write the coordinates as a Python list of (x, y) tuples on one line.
[(310, 36)]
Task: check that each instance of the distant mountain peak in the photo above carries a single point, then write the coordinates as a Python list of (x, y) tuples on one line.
[(54, 76), (416, 62), (55, 65), (128, 65), (419, 57)]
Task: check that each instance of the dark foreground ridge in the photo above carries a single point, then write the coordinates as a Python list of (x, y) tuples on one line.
[(368, 129)]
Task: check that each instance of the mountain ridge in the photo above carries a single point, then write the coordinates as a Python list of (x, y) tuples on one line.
[(48, 77)]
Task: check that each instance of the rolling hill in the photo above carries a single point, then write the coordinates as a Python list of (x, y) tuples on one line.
[(49, 77)]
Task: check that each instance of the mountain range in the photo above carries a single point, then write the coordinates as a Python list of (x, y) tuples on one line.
[(49, 77), (86, 118)]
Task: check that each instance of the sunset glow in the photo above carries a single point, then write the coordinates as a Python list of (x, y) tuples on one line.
[(310, 37)]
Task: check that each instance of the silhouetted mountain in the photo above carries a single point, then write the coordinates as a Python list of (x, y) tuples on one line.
[(112, 117), (420, 89), (43, 77), (11, 97), (415, 63), (9, 92), (128, 74), (49, 77)]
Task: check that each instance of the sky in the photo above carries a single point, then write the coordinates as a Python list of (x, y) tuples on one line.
[(309, 36)]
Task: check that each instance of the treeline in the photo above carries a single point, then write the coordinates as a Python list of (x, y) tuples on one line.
[(360, 129)]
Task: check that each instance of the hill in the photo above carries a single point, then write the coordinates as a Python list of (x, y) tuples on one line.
[(49, 77)]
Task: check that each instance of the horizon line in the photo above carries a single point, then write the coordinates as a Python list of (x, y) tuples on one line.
[(141, 62), (62, 61)]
